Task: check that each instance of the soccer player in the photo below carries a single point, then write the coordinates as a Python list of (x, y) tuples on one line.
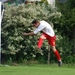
[(48, 33)]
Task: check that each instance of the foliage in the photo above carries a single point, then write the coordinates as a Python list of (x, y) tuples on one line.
[(44, 1), (70, 4), (65, 46), (66, 24)]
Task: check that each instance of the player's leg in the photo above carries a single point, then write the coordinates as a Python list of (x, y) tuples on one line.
[(57, 55), (40, 41), (52, 43)]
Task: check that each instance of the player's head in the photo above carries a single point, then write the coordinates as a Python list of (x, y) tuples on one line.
[(35, 23)]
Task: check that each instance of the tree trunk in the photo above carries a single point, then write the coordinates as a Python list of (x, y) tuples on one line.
[(74, 39), (48, 54)]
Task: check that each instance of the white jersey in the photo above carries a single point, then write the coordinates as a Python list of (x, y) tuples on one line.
[(45, 27)]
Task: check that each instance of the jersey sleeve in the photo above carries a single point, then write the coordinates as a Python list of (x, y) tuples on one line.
[(40, 28)]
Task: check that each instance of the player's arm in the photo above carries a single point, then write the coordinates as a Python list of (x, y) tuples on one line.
[(30, 33)]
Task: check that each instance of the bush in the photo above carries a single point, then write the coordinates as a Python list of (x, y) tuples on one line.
[(65, 47), (16, 20)]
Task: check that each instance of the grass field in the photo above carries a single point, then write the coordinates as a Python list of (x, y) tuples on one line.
[(37, 70)]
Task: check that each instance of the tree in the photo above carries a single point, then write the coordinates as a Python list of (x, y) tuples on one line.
[(70, 4), (67, 22)]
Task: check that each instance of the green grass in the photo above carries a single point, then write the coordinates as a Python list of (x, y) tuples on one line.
[(37, 70)]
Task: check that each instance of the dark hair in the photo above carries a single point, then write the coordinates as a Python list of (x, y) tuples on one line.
[(34, 21)]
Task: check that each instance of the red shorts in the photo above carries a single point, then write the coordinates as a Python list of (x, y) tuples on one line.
[(51, 40)]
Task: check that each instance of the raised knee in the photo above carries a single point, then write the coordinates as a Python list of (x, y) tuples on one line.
[(43, 37)]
